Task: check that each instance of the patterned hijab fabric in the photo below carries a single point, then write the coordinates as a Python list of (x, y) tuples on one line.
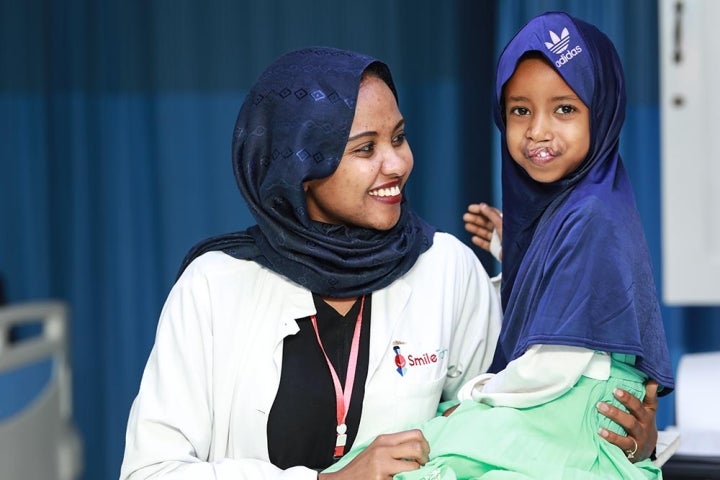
[(576, 268), (293, 127)]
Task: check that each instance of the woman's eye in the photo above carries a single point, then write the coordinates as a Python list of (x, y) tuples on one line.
[(366, 148), (399, 139)]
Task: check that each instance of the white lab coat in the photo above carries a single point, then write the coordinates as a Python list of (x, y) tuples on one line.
[(211, 378)]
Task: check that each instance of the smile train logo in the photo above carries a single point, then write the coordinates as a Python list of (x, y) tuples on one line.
[(559, 46), (399, 361)]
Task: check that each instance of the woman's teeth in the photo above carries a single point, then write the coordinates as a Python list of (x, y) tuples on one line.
[(386, 192)]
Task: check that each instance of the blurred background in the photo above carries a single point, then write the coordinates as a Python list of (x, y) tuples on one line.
[(115, 150)]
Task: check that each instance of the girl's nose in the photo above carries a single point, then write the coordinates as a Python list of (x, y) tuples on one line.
[(539, 129)]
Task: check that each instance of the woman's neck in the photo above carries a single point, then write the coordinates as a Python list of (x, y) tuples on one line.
[(341, 305)]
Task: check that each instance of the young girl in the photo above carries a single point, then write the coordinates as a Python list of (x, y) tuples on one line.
[(581, 314)]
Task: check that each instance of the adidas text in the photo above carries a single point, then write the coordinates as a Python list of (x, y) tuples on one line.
[(567, 56)]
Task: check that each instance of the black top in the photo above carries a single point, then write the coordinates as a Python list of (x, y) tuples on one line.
[(302, 422)]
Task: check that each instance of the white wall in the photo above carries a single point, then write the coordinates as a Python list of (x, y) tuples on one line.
[(690, 133)]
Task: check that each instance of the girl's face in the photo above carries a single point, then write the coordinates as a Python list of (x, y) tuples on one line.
[(365, 190), (548, 126)]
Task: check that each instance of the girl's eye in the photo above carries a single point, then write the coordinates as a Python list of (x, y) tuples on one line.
[(519, 111), (565, 109)]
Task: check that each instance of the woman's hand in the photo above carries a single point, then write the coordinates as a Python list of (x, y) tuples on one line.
[(481, 220), (385, 456), (639, 423)]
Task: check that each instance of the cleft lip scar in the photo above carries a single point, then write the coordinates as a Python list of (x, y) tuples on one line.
[(541, 152)]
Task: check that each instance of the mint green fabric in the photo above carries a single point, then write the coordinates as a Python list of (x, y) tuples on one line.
[(556, 440)]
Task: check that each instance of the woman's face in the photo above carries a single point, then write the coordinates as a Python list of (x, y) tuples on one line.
[(548, 126), (366, 188)]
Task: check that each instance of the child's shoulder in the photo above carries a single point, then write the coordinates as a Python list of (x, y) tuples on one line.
[(588, 208)]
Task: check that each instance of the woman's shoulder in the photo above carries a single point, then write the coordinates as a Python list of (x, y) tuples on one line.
[(229, 277), (448, 252), (218, 270), (219, 263), (448, 244)]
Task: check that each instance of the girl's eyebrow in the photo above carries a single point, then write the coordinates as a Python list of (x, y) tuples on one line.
[(573, 98), (559, 98), (372, 133)]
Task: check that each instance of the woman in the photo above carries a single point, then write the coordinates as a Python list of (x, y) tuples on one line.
[(237, 384), (339, 317)]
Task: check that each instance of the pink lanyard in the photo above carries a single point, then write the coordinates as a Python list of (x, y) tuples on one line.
[(342, 395)]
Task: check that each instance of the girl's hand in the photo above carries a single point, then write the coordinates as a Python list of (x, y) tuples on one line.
[(481, 220)]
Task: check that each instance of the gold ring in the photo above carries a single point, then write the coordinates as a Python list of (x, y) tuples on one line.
[(630, 454)]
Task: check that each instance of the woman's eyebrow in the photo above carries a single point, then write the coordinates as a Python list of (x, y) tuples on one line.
[(374, 133)]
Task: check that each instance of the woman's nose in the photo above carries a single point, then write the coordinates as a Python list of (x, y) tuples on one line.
[(397, 161)]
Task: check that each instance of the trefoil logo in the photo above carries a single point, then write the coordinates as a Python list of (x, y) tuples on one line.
[(559, 45)]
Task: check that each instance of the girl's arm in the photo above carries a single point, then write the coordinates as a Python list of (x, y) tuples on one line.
[(541, 374)]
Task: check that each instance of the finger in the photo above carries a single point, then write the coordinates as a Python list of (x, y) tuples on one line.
[(475, 207), (450, 410), (481, 236), (621, 441), (412, 452), (632, 403), (484, 235), (484, 210), (478, 221), (651, 398), (492, 213), (412, 447), (634, 428), (485, 213), (415, 441), (398, 438), (404, 466), (622, 418), (480, 242), (484, 231)]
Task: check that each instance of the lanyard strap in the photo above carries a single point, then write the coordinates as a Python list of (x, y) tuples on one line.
[(343, 395)]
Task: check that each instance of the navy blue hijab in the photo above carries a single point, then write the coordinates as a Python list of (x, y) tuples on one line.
[(292, 127), (576, 268)]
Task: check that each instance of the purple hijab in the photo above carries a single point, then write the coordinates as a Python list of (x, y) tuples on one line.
[(293, 127), (576, 268)]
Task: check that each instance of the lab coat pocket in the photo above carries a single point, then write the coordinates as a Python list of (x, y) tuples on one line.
[(409, 400), (416, 401)]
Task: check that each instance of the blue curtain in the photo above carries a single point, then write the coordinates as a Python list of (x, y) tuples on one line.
[(116, 126)]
